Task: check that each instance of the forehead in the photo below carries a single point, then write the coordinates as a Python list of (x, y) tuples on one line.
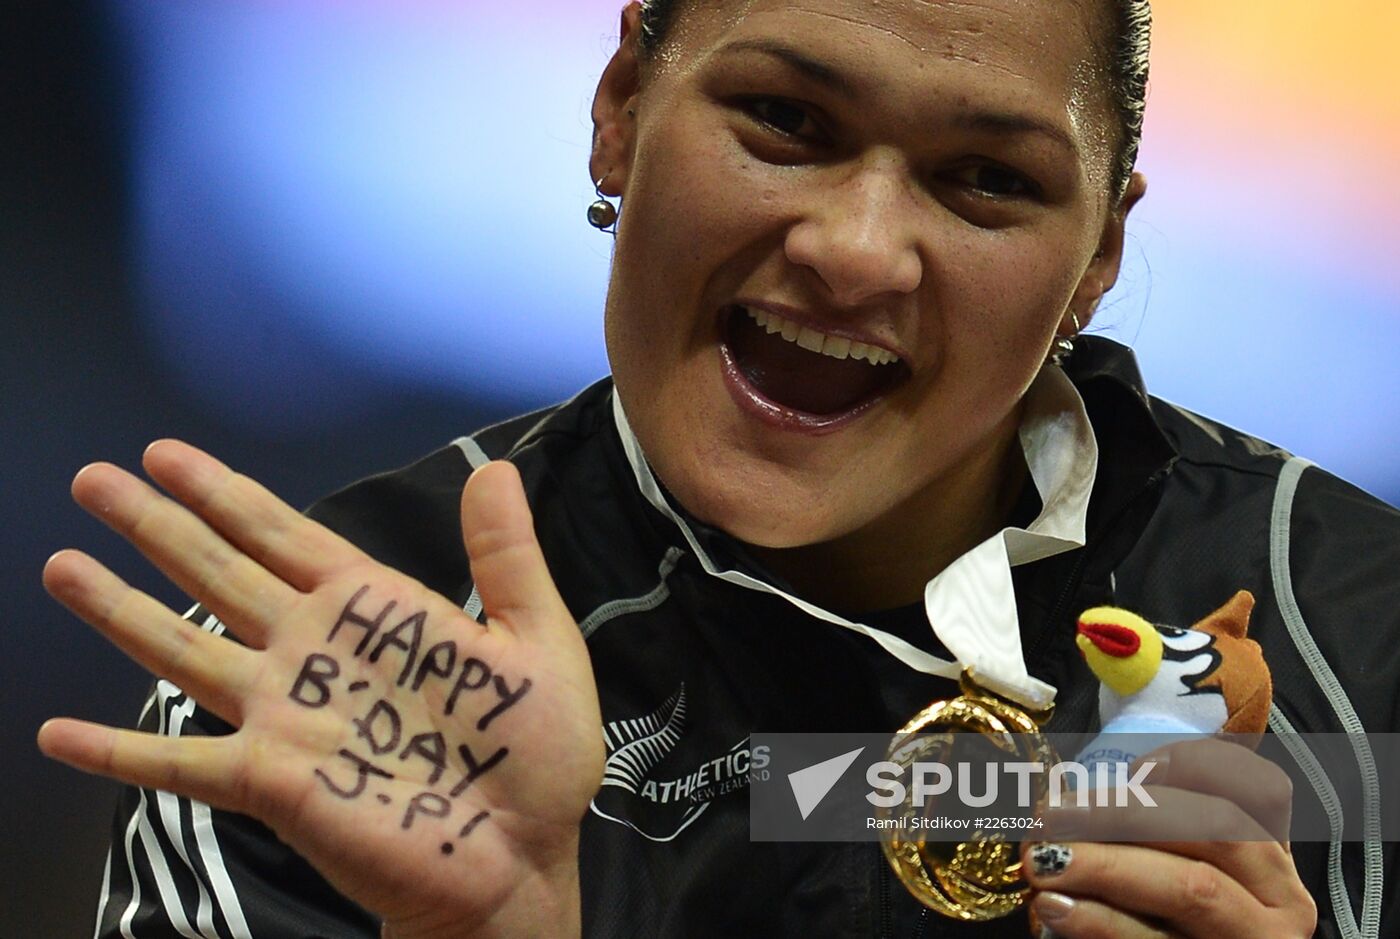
[(1038, 52), (1057, 29)]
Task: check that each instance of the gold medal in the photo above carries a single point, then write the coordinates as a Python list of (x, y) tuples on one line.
[(978, 879)]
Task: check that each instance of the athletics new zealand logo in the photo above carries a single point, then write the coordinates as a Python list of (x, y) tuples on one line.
[(661, 808)]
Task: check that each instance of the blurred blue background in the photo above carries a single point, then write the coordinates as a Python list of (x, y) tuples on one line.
[(322, 239)]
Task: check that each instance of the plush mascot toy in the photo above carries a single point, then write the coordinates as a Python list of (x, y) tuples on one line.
[(1181, 683)]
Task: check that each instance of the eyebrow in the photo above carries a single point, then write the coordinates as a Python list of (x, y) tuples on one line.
[(1010, 125), (817, 71), (1002, 123)]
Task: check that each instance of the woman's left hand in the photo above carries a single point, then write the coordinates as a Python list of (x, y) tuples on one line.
[(1242, 883)]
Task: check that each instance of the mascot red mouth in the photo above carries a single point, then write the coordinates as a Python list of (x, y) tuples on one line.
[(1111, 639)]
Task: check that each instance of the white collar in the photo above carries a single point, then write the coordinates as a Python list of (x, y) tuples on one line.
[(971, 604)]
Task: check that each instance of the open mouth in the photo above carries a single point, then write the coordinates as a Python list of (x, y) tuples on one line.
[(802, 375)]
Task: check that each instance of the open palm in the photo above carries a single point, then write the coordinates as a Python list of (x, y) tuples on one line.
[(433, 768)]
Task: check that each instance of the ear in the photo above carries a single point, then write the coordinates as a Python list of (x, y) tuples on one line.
[(614, 104), (1103, 270), (1232, 619)]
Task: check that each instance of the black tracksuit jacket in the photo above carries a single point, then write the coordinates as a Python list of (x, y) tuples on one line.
[(1184, 513)]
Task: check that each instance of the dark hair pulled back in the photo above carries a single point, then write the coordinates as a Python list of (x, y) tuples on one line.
[(1127, 59)]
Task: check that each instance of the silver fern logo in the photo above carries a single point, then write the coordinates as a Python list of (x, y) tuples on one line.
[(634, 747), (657, 805)]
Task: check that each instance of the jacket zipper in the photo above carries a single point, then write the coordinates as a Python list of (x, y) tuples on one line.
[(887, 908), (1076, 575)]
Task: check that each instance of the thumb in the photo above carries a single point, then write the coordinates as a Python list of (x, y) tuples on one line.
[(507, 565)]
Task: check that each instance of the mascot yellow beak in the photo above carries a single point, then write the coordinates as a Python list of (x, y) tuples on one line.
[(1123, 650)]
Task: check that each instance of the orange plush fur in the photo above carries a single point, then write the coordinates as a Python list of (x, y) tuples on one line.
[(1242, 675)]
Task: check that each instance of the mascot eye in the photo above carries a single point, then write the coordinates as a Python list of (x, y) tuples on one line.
[(1171, 632)]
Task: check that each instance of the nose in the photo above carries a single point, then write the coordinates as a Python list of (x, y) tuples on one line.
[(859, 237)]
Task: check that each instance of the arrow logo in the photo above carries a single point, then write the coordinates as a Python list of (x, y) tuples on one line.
[(810, 785)]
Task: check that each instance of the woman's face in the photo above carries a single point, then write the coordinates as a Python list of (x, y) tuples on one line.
[(923, 179)]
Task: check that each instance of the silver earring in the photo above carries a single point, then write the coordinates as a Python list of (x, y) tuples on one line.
[(602, 214), (1064, 345)]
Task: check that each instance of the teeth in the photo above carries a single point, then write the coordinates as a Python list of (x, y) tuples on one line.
[(811, 340), (838, 347)]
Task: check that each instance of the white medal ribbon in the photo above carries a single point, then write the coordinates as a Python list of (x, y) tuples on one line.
[(971, 604)]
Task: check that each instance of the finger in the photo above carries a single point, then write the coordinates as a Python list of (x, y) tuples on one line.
[(1065, 917), (1173, 815), (1264, 869), (207, 769), (1195, 826), (238, 590), (1193, 897), (508, 567), (281, 539), (212, 670), (1232, 772)]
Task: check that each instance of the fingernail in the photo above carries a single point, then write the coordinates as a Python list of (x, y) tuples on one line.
[(1048, 860), (1053, 907)]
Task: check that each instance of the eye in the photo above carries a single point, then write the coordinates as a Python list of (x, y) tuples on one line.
[(996, 181), (782, 115)]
